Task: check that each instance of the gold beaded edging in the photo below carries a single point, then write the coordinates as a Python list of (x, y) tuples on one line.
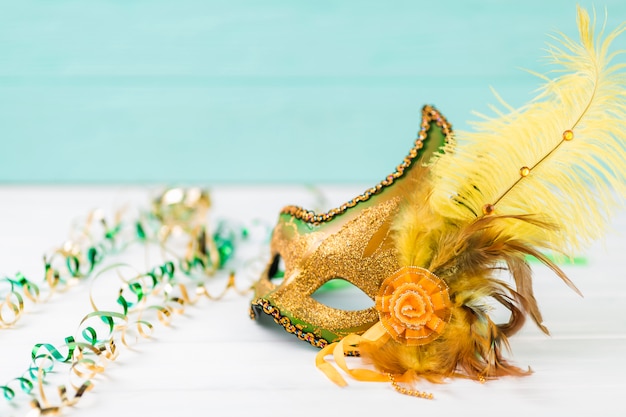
[(429, 115), (285, 321), (295, 329)]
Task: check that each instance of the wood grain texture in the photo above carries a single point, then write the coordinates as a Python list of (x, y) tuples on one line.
[(214, 360), (247, 91)]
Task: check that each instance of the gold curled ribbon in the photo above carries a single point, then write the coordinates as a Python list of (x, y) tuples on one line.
[(73, 261), (165, 291), (100, 329), (11, 309)]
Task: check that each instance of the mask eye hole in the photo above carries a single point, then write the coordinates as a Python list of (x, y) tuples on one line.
[(276, 271), (343, 295)]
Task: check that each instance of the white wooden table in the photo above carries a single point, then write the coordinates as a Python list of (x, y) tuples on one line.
[(214, 360)]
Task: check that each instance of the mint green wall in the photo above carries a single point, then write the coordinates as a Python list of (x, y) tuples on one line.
[(252, 91)]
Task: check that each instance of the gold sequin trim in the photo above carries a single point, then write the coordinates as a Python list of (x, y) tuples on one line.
[(285, 321), (429, 115)]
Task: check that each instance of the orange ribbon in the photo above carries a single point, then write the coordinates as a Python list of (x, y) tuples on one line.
[(340, 350)]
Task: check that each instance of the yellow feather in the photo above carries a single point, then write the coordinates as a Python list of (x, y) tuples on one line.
[(561, 204), (574, 185)]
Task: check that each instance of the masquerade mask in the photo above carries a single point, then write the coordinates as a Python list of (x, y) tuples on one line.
[(351, 243), (430, 243)]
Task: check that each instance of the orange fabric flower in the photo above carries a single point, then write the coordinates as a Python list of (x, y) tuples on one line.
[(413, 305)]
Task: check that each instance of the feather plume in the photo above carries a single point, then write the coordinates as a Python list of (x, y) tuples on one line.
[(572, 184), (549, 191), (544, 177)]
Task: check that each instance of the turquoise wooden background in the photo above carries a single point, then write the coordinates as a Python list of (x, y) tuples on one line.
[(202, 91)]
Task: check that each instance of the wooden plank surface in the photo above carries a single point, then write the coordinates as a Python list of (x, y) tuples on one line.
[(263, 91), (213, 360)]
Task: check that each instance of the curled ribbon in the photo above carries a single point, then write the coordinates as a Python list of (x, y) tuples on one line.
[(156, 295)]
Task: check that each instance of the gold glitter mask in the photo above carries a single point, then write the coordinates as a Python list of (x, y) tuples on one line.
[(352, 242)]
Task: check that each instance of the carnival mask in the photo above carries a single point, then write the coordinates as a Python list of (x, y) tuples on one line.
[(352, 243)]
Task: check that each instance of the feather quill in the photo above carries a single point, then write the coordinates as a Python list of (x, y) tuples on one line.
[(572, 184)]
